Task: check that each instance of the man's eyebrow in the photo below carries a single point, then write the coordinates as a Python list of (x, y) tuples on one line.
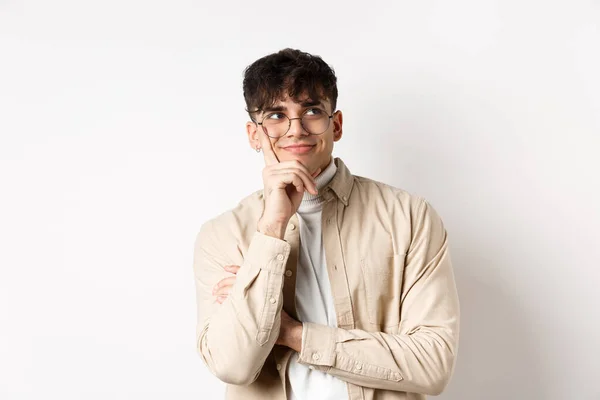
[(311, 103), (306, 103), (274, 108)]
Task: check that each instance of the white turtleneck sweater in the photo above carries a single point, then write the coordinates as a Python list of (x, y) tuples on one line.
[(314, 301)]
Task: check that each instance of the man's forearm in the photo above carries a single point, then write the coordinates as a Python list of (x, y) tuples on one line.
[(235, 338), (420, 362), (290, 333), (275, 230)]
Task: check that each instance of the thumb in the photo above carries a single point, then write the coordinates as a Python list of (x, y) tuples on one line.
[(232, 268)]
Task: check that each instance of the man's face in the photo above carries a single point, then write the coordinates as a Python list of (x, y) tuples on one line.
[(314, 151)]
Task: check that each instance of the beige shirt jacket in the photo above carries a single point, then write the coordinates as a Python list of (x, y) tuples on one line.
[(393, 286)]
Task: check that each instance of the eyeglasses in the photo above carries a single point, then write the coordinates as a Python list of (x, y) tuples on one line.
[(314, 121)]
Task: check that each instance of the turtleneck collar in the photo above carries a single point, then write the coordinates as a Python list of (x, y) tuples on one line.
[(311, 202)]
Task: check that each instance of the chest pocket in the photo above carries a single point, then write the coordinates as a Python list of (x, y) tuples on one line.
[(382, 276)]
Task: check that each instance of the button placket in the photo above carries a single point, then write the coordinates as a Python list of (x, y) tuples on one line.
[(335, 264), (292, 236)]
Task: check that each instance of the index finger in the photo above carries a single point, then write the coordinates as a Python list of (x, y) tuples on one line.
[(265, 142)]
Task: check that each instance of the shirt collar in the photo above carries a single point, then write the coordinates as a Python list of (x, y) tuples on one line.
[(342, 182), (311, 202)]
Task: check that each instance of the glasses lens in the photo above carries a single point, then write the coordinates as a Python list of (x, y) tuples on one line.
[(315, 121), (276, 124)]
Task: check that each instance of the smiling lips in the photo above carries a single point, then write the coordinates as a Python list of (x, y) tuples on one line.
[(299, 148)]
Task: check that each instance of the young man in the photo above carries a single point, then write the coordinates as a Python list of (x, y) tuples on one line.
[(323, 285)]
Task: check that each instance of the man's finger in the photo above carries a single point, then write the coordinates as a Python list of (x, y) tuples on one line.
[(291, 176), (224, 282), (223, 291), (296, 165), (232, 268), (265, 143)]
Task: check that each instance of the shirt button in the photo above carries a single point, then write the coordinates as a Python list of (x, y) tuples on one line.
[(292, 227), (396, 376), (316, 356), (272, 300), (280, 257), (288, 273), (311, 367), (278, 367), (344, 198), (358, 366)]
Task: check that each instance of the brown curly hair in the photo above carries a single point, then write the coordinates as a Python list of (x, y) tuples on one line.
[(288, 72)]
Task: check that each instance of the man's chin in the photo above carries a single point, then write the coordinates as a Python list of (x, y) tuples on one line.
[(311, 162), (305, 159)]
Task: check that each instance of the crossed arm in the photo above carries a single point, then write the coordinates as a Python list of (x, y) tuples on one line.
[(235, 336)]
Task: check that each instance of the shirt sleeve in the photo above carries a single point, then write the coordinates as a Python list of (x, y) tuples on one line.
[(234, 338), (421, 357)]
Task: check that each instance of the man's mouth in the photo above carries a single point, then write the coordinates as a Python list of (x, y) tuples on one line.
[(299, 148)]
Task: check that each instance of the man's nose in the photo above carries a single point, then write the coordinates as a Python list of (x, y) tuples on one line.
[(296, 128)]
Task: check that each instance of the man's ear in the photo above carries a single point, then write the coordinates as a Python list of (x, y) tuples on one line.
[(338, 120), (252, 134)]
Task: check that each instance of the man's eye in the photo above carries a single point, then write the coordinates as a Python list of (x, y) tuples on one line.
[(275, 116), (314, 111)]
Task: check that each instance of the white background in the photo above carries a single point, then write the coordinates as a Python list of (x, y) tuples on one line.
[(122, 130)]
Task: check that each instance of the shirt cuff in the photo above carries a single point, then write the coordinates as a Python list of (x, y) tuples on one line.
[(318, 344), (268, 253)]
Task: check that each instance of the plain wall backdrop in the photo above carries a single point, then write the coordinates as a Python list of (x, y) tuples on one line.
[(122, 131)]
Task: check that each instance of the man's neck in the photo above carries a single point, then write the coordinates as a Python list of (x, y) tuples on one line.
[(325, 165)]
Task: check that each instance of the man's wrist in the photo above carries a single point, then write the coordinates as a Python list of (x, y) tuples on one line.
[(276, 230), (298, 337), (293, 338)]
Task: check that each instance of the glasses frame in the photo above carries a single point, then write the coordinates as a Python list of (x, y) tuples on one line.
[(329, 117)]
